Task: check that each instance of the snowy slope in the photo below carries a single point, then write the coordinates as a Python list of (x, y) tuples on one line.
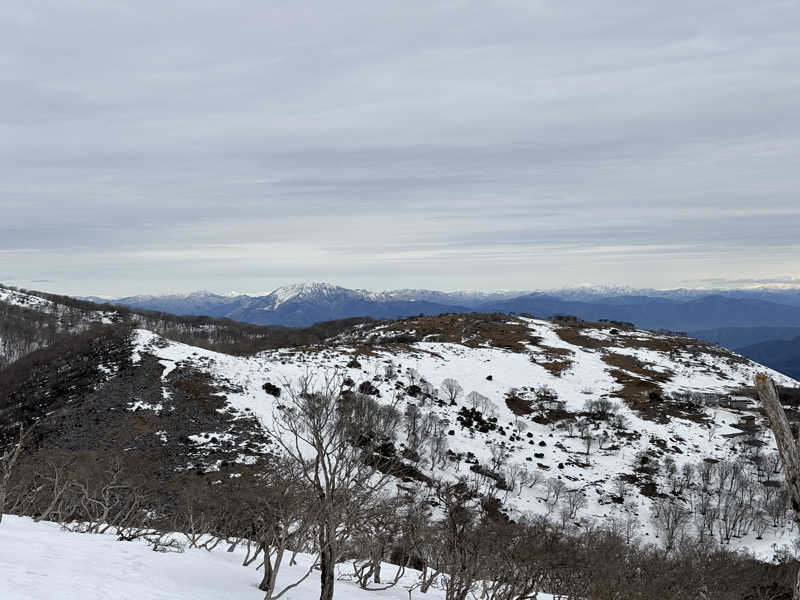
[(40, 561), (540, 447), (18, 336), (16, 298), (23, 300)]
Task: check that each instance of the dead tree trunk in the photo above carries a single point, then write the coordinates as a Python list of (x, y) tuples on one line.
[(327, 558), (787, 446)]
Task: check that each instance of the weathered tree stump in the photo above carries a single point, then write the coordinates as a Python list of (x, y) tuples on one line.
[(787, 446)]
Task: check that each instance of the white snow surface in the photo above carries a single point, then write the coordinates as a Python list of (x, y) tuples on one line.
[(41, 561)]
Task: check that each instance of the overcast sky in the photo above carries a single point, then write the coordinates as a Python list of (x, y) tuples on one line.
[(173, 146)]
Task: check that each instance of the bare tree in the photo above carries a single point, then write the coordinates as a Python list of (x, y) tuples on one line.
[(282, 519), (588, 441), (335, 437), (621, 488), (438, 449), (55, 482), (476, 400), (373, 540), (670, 518), (772, 464), (451, 390), (575, 500), (460, 554), (555, 488), (584, 427)]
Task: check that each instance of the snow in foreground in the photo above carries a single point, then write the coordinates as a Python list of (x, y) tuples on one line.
[(42, 561)]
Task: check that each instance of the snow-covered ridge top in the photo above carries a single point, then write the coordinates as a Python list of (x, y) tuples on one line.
[(24, 300), (31, 301)]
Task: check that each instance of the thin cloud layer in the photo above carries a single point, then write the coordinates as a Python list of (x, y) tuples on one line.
[(462, 144)]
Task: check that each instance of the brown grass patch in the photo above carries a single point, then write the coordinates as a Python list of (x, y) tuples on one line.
[(554, 416), (143, 425), (641, 390), (640, 385), (550, 351), (659, 342), (572, 335), (635, 366), (635, 391), (556, 360), (471, 330), (363, 350), (556, 367)]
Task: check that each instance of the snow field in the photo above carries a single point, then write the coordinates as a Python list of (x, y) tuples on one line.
[(41, 561)]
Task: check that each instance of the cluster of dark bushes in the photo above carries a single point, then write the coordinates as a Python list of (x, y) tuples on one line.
[(472, 418)]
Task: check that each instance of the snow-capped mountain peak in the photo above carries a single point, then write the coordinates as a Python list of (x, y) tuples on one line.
[(304, 290)]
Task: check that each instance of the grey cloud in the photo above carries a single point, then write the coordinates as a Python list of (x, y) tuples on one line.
[(512, 144)]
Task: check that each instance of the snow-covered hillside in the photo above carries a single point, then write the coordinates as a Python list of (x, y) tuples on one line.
[(531, 395), (65, 314), (29, 322), (16, 298)]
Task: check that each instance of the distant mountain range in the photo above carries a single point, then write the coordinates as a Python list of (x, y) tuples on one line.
[(305, 304), (736, 319), (741, 337), (299, 305), (706, 312), (781, 355)]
